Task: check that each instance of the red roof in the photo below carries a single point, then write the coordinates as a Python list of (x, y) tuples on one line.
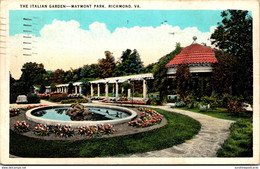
[(194, 53)]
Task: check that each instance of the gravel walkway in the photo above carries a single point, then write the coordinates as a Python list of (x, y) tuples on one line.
[(206, 143)]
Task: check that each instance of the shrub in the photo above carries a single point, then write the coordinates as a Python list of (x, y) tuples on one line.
[(226, 98), (154, 101), (179, 104), (33, 98), (235, 107), (189, 101), (57, 97), (74, 101), (21, 126)]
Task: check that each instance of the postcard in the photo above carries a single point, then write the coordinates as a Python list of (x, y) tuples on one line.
[(129, 82)]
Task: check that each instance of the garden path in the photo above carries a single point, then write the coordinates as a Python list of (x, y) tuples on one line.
[(206, 143)]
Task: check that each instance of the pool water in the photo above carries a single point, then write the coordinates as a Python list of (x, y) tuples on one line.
[(99, 114)]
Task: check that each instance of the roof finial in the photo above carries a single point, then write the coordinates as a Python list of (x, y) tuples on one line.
[(194, 39)]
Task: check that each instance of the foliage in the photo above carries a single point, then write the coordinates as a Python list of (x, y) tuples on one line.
[(234, 35), (130, 63), (21, 127), (86, 88), (57, 97), (181, 127), (32, 73), (148, 118), (226, 98), (41, 130), (33, 98), (240, 141), (161, 82), (70, 88), (16, 89), (42, 88), (189, 101), (53, 87), (183, 78), (223, 72), (58, 76), (154, 101), (74, 101), (235, 107), (107, 65)]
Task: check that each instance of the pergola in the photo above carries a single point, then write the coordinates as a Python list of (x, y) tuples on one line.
[(122, 79), (65, 87), (112, 80)]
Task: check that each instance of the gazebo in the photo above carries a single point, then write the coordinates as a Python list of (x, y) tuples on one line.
[(199, 59)]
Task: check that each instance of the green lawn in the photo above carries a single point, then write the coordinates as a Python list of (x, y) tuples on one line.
[(240, 141), (178, 129), (221, 113)]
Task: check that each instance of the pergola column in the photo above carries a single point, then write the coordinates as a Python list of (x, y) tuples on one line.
[(129, 91), (106, 90), (98, 90), (144, 89), (91, 90), (116, 90), (76, 89), (80, 89)]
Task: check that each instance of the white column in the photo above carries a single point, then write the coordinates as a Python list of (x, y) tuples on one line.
[(107, 91), (116, 90), (80, 89), (129, 91), (91, 90), (144, 89), (76, 89), (122, 90), (62, 89), (98, 90)]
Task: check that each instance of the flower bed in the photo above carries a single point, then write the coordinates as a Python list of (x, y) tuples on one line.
[(96, 131), (131, 102), (63, 131), (21, 127), (14, 112), (41, 130), (33, 106), (148, 118), (125, 102), (46, 96)]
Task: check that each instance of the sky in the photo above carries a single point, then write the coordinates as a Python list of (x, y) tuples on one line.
[(64, 39)]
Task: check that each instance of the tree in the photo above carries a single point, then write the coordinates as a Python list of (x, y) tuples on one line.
[(94, 71), (223, 72), (234, 35), (161, 82), (107, 65), (130, 64), (184, 81), (32, 73), (86, 88), (58, 76)]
